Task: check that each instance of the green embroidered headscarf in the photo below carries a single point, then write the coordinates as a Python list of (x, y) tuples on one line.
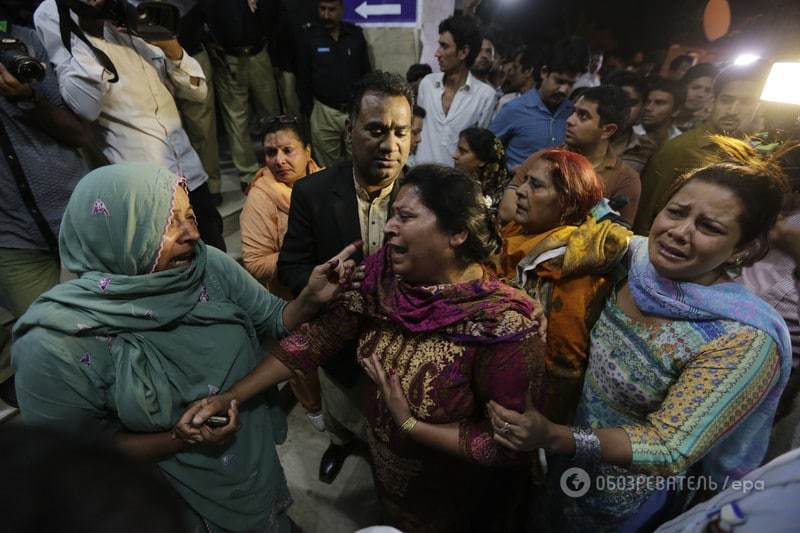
[(149, 343)]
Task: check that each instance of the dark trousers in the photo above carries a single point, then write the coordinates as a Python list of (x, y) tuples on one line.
[(209, 221)]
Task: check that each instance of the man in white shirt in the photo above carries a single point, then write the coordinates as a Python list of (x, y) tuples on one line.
[(453, 99), (661, 105), (591, 78), (129, 99), (520, 77)]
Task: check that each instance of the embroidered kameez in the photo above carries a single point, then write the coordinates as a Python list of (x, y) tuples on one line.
[(454, 348)]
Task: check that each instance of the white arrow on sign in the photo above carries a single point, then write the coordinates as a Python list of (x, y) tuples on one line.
[(365, 10)]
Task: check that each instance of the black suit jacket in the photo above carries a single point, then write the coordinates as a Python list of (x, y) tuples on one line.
[(323, 219)]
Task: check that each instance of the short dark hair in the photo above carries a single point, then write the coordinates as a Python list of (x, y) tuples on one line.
[(383, 83), (417, 71), (577, 92), (627, 78), (700, 70), (457, 201), (756, 72), (530, 58), (504, 41), (418, 111), (676, 63), (612, 104), (465, 32), (294, 124), (568, 56), (676, 88)]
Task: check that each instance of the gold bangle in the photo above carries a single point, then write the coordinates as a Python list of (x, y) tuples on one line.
[(408, 424)]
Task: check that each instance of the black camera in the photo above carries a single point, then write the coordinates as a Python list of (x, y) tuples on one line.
[(14, 56), (152, 20)]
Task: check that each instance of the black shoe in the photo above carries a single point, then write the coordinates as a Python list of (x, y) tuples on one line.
[(332, 461)]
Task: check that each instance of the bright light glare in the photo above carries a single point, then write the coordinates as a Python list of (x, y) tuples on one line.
[(746, 59), (782, 84)]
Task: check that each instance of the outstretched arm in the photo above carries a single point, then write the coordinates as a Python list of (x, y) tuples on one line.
[(325, 282), (302, 352)]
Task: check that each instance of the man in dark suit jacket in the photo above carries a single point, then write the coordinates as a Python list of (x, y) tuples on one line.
[(342, 204)]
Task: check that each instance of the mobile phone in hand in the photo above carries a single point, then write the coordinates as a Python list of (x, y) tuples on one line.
[(217, 421)]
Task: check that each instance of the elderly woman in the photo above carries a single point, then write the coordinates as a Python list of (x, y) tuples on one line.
[(265, 217), (686, 366), (563, 256), (440, 336), (481, 155), (156, 320)]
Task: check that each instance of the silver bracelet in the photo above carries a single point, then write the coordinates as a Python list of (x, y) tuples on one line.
[(587, 446)]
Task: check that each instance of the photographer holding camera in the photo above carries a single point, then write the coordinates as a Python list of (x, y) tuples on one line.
[(39, 168), (122, 70)]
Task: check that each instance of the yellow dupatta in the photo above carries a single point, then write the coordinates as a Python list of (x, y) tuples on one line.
[(573, 287)]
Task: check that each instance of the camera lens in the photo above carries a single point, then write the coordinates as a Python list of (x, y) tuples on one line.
[(26, 69)]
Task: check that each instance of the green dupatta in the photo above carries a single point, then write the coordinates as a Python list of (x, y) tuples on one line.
[(140, 346)]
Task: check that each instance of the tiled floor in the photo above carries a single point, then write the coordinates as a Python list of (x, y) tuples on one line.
[(349, 503)]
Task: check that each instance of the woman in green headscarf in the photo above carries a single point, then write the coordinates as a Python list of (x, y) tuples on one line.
[(155, 321)]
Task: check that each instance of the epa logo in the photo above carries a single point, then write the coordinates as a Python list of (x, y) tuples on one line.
[(575, 482)]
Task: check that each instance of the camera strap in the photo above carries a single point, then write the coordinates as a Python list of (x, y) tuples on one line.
[(68, 26), (25, 190)]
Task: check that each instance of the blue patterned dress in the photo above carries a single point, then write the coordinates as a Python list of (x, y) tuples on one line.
[(677, 389)]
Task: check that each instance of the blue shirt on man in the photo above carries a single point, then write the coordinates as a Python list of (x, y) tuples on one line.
[(526, 125)]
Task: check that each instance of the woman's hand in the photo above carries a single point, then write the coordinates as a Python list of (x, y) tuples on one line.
[(389, 388), (330, 278), (325, 283), (192, 429), (523, 432)]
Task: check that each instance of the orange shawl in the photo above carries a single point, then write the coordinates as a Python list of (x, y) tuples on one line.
[(573, 287), (263, 222)]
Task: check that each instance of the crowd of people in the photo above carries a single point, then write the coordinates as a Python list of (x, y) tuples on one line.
[(518, 267)]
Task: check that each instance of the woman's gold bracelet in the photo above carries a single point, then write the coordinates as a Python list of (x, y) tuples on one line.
[(408, 424)]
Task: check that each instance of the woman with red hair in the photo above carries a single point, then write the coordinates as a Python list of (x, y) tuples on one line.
[(560, 251)]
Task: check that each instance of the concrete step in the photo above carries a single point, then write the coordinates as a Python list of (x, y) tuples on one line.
[(233, 243), (231, 208)]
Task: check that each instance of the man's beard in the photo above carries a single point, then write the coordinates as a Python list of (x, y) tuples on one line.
[(479, 69)]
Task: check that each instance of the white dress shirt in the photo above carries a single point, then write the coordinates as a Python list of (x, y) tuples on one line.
[(472, 105), (587, 79), (673, 131), (136, 117)]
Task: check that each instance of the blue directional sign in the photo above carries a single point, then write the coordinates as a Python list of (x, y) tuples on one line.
[(383, 12)]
